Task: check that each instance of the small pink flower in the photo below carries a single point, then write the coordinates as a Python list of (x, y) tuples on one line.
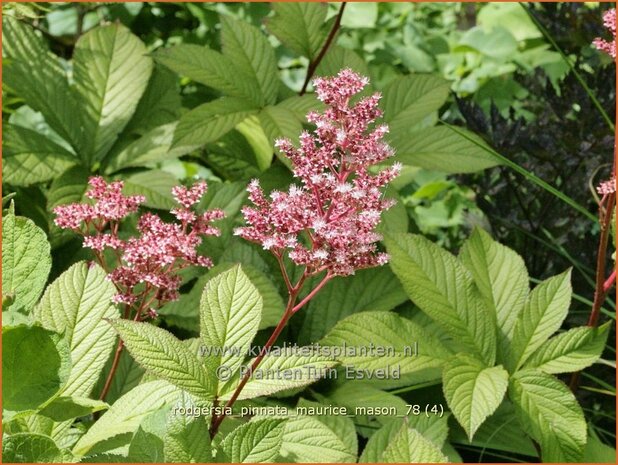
[(609, 20), (328, 221), (607, 187)]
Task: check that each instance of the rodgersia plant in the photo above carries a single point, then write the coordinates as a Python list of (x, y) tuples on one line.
[(144, 268)]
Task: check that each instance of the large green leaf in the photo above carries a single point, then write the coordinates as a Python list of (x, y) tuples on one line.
[(111, 71), (384, 341), (252, 55), (501, 277), (26, 260), (43, 87), (258, 441), (281, 370), (439, 284), (155, 185), (338, 58), (187, 439), (33, 448), (442, 149), (75, 304), (570, 351), (545, 310), (159, 352), (374, 289), (117, 425), (230, 312), (299, 26), (70, 407), (209, 121), (30, 158), (409, 99), (211, 68), (550, 413), (35, 365), (409, 446), (279, 122), (473, 391)]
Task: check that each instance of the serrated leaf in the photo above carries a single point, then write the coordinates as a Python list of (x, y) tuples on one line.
[(278, 122), (409, 99), (30, 158), (501, 277), (252, 55), (439, 284), (70, 407), (145, 447), (338, 58), (258, 140), (571, 351), (374, 289), (301, 105), (118, 424), (75, 304), (26, 260), (409, 446), (379, 441), (282, 369), (258, 441), (545, 310), (155, 185), (550, 413), (128, 375), (33, 448), (299, 26), (319, 440), (230, 312), (210, 68), (384, 341), (442, 149), (159, 352), (44, 87), (187, 439), (35, 365), (111, 72), (209, 121), (473, 391)]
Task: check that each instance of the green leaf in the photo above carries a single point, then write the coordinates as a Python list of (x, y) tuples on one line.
[(111, 72), (549, 411), (384, 341), (473, 391), (299, 26), (230, 312), (252, 55), (70, 407), (125, 415), (570, 351), (258, 441), (26, 260), (319, 439), (155, 185), (69, 187), (209, 121), (35, 365), (159, 352), (501, 277), (145, 447), (43, 87), (409, 446), (210, 68), (75, 305), (187, 439), (409, 99), (33, 448), (280, 370), (338, 58), (260, 145), (374, 289), (151, 148), (301, 105), (31, 158), (379, 441), (442, 149), (439, 284), (278, 122), (128, 375), (545, 310)]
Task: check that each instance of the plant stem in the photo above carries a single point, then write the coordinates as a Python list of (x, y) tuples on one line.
[(217, 420), (316, 61), (112, 371)]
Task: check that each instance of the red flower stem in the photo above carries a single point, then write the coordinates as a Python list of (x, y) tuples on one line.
[(315, 62), (609, 282), (313, 292), (606, 213)]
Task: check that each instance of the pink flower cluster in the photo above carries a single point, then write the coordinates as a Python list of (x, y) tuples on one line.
[(329, 221), (609, 20), (607, 187), (147, 265)]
